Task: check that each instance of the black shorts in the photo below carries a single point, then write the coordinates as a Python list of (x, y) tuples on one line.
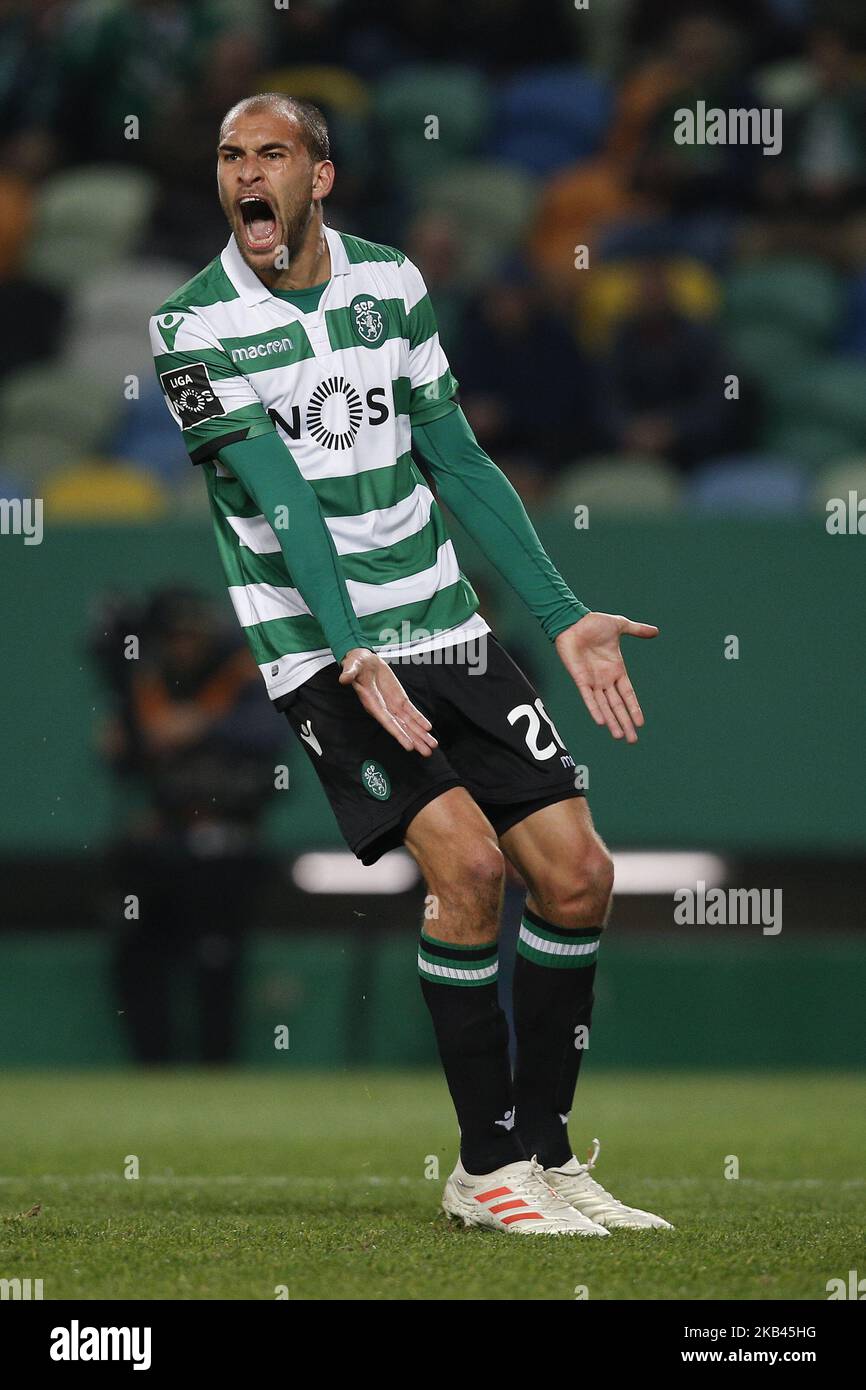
[(495, 739)]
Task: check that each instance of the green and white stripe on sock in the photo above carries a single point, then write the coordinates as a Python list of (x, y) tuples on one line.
[(558, 947), (442, 962)]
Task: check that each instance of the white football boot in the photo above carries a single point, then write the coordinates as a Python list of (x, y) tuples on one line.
[(516, 1199), (574, 1184)]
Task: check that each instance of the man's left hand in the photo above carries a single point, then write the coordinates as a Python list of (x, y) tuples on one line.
[(589, 651)]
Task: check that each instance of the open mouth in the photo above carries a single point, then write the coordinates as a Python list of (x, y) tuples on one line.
[(259, 223)]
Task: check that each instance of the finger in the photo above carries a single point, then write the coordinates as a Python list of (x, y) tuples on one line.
[(350, 674), (621, 714), (392, 726), (402, 708), (423, 739), (591, 703), (418, 740), (626, 690), (610, 718), (639, 629), (397, 702), (396, 730), (416, 724), (405, 724)]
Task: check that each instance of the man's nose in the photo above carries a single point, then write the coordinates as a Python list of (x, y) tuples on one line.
[(250, 171)]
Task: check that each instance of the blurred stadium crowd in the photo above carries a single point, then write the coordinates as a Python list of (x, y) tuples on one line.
[(603, 385)]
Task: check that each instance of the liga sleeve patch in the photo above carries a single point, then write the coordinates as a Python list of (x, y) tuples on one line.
[(190, 394)]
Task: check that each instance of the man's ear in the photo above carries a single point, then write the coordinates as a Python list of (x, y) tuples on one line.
[(323, 179)]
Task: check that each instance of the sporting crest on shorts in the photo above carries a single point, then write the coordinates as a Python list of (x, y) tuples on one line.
[(375, 780)]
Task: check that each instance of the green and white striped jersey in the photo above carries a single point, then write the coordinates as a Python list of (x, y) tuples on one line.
[(341, 385)]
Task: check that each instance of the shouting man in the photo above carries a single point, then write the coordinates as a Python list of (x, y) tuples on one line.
[(304, 367)]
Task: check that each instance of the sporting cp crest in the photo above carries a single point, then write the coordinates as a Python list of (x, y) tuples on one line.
[(369, 319), (376, 781)]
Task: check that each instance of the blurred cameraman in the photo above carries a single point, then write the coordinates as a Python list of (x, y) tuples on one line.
[(194, 737)]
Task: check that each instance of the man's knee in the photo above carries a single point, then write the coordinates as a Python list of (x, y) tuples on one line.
[(456, 849), (475, 871), (578, 893)]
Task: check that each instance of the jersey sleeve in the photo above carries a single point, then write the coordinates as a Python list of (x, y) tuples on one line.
[(432, 385), (212, 403)]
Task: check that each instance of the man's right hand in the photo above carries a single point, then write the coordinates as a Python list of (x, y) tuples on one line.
[(382, 696)]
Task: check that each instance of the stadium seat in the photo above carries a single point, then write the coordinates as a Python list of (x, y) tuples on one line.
[(801, 295), (490, 203), (104, 490), (789, 83), (111, 358), (830, 392), (813, 444), (548, 119), (403, 101), (58, 402), (768, 353), (33, 455), (617, 483), (11, 487), (838, 479), (332, 88), (148, 437), (610, 294), (124, 296), (749, 484), (87, 218)]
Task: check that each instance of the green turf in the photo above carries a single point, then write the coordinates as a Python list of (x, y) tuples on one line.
[(318, 1183)]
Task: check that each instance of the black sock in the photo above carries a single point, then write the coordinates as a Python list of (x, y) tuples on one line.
[(553, 996), (459, 986)]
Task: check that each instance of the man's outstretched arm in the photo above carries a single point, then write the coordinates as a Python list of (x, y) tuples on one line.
[(270, 475), (481, 497)]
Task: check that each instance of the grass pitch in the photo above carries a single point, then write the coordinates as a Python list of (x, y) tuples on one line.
[(252, 1181)]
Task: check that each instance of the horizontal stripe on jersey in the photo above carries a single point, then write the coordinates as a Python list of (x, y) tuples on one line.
[(416, 552), (350, 534)]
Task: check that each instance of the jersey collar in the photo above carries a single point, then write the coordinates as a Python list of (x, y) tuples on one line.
[(247, 283)]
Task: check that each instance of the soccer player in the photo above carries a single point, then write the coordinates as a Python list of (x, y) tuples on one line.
[(303, 367)]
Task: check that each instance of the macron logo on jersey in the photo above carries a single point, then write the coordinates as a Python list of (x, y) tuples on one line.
[(246, 354)]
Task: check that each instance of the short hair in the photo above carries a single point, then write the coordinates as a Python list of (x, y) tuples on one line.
[(314, 127)]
